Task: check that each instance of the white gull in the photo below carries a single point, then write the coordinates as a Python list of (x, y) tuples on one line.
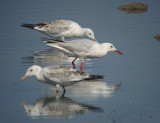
[(83, 49), (62, 29), (58, 76)]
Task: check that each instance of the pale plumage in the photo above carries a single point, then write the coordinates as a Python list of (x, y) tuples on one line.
[(57, 76), (83, 49), (62, 29)]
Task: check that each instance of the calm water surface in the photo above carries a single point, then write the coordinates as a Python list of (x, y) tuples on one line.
[(129, 92)]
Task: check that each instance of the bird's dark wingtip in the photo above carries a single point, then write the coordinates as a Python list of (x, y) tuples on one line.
[(31, 26), (91, 77), (48, 40)]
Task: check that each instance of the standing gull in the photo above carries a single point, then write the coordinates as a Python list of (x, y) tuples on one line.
[(62, 29), (83, 49), (58, 76)]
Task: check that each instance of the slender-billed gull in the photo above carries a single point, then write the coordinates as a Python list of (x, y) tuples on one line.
[(62, 29), (83, 49), (58, 76)]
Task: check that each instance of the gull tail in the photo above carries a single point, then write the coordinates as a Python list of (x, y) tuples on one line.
[(32, 26), (91, 77), (56, 44)]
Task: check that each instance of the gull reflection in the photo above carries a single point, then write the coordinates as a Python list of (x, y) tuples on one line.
[(51, 56), (92, 89), (57, 107)]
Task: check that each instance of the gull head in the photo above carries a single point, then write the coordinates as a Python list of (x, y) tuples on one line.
[(32, 71), (90, 34), (110, 47)]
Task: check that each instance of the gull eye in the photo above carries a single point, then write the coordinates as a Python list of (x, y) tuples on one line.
[(111, 46), (31, 70)]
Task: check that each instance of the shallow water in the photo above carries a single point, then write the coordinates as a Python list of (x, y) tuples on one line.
[(128, 93)]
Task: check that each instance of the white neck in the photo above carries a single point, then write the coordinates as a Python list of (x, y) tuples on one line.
[(105, 48), (99, 53), (83, 32), (39, 76)]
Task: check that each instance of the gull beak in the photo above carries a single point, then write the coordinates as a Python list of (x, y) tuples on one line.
[(23, 77), (117, 51), (94, 39)]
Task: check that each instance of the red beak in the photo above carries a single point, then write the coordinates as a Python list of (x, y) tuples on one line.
[(117, 51)]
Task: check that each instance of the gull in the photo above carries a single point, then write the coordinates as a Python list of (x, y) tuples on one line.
[(62, 29), (83, 49), (58, 76)]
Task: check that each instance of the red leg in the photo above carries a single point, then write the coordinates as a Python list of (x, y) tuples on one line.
[(73, 63), (81, 66)]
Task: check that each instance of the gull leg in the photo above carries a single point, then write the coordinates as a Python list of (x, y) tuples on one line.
[(57, 90), (64, 90), (73, 63), (81, 66), (82, 60)]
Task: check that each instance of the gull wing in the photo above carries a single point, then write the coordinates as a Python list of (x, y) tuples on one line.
[(74, 46), (63, 74), (55, 27)]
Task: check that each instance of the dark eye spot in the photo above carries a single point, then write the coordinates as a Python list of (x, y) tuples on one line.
[(31, 70), (111, 46)]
